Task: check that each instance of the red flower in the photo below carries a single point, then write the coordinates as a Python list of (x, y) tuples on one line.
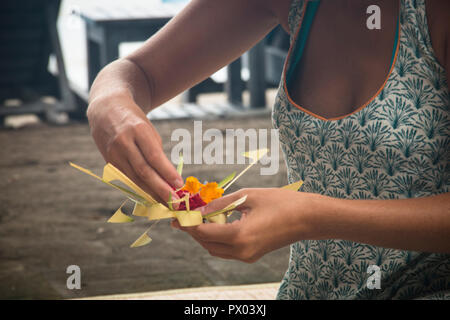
[(195, 201)]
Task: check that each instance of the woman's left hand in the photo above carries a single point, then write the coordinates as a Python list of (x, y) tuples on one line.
[(271, 219)]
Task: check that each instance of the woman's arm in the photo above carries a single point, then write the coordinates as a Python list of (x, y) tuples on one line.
[(205, 36), (274, 218), (420, 224)]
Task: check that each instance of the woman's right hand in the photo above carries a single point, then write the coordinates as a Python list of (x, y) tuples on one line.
[(127, 139)]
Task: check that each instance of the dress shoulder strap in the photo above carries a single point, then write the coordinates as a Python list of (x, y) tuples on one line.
[(295, 16), (414, 23)]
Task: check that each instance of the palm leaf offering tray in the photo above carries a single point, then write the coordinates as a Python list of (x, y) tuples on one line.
[(192, 195)]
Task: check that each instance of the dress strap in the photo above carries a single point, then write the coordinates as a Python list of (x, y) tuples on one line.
[(415, 25), (295, 16), (305, 24)]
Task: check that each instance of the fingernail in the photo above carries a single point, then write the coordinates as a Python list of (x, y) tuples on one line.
[(178, 183), (172, 224)]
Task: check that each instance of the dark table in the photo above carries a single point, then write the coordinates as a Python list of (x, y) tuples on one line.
[(109, 23), (28, 37)]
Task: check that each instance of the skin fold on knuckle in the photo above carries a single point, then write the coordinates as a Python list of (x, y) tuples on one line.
[(145, 133), (140, 127), (153, 155), (119, 141)]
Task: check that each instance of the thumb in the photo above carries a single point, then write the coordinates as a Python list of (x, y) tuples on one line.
[(221, 202)]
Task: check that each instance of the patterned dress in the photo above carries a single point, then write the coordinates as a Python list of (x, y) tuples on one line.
[(394, 147)]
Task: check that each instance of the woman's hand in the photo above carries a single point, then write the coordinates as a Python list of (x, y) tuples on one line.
[(127, 139), (271, 219), (274, 218)]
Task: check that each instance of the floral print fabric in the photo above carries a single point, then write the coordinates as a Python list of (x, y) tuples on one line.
[(396, 147)]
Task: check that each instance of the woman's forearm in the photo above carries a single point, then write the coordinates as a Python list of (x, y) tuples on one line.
[(419, 224)]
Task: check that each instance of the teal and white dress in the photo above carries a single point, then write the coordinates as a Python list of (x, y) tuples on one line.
[(396, 146)]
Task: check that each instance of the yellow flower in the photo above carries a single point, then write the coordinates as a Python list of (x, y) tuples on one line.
[(210, 191), (192, 185)]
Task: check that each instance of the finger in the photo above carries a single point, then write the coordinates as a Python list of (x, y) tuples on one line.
[(175, 224), (144, 186), (217, 249), (156, 134), (157, 159), (214, 232), (124, 166), (151, 180)]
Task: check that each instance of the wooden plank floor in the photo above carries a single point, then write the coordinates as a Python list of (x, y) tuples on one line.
[(264, 291), (203, 111), (53, 216)]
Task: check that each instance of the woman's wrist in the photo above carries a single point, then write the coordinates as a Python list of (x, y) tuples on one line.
[(100, 102), (319, 218)]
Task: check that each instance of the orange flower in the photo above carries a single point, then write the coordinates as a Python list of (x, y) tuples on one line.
[(192, 185), (210, 191)]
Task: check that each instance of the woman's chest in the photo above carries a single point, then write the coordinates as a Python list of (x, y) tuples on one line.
[(343, 63)]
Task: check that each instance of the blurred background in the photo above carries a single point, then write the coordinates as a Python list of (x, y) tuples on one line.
[(52, 216)]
